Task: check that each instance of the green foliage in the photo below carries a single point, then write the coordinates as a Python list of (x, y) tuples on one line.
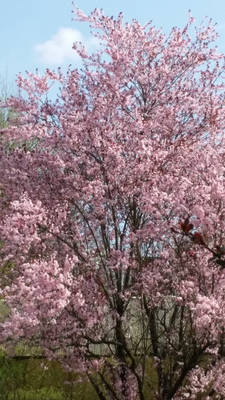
[(35, 379)]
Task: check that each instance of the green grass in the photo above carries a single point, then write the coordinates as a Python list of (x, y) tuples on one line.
[(37, 380)]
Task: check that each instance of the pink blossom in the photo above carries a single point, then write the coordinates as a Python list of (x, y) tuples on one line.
[(113, 210)]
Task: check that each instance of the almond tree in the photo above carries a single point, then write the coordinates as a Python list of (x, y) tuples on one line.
[(114, 219)]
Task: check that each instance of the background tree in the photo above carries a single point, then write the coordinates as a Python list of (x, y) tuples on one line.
[(7, 115), (115, 218)]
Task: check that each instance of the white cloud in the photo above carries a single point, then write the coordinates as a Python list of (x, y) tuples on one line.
[(58, 49)]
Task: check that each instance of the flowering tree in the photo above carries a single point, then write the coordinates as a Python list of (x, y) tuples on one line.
[(114, 217)]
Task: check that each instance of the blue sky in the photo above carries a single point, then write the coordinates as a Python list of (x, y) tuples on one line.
[(38, 33)]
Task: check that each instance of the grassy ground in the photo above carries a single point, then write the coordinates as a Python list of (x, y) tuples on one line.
[(37, 380)]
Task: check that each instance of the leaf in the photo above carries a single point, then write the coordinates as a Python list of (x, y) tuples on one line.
[(198, 239), (186, 226)]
